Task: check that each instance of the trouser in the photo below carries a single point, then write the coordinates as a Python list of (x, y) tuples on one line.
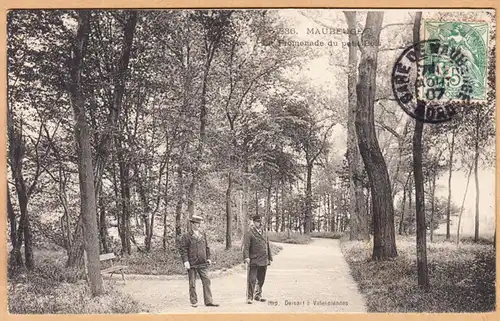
[(207, 293), (256, 273)]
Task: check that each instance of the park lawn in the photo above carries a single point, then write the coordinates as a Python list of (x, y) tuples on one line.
[(54, 289), (327, 235), (159, 262), (51, 288), (462, 279), (290, 238), (298, 238)]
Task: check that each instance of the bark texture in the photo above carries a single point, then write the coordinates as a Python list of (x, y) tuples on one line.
[(359, 229), (84, 152), (383, 209)]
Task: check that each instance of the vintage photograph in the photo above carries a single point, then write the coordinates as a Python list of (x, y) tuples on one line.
[(250, 161)]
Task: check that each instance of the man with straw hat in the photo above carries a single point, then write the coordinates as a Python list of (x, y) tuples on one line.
[(257, 256), (195, 255)]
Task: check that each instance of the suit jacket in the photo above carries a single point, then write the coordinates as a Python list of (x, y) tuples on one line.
[(194, 249), (256, 247)]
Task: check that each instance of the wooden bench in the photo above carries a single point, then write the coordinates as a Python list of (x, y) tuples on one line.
[(113, 268)]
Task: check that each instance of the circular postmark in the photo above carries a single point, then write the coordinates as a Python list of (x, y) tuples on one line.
[(431, 82)]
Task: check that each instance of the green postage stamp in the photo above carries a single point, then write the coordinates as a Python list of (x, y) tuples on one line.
[(469, 41)]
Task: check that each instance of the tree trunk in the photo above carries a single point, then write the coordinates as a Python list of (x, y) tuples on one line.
[(334, 208), (244, 218), (268, 207), (359, 229), (191, 194), (283, 213), (17, 154), (422, 270), (330, 214), (229, 212), (75, 254), (147, 230), (239, 214), (103, 228), (476, 176), (400, 232), (203, 122), (84, 153), (256, 202), (277, 208), (178, 206), (164, 238), (433, 206), (423, 274), (308, 216), (18, 256), (124, 221), (165, 212), (27, 234), (408, 227), (148, 214), (450, 168), (338, 215), (65, 220), (369, 211), (119, 81), (12, 221), (382, 203), (462, 207), (115, 107)]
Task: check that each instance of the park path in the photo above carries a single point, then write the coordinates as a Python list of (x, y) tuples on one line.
[(302, 274)]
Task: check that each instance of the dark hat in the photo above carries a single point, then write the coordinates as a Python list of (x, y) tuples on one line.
[(256, 218), (196, 219)]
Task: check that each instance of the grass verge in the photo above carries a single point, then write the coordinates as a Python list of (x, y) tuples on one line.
[(327, 235), (291, 238), (461, 279), (53, 289), (159, 262)]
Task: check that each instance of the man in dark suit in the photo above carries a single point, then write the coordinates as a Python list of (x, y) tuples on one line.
[(257, 256), (195, 255)]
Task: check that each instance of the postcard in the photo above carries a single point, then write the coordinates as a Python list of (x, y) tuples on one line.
[(250, 161)]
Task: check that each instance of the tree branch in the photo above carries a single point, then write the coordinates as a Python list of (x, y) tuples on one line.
[(389, 129), (323, 144), (395, 24)]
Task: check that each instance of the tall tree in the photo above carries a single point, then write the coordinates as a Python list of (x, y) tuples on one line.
[(244, 72), (483, 131), (423, 274), (17, 149), (119, 81), (84, 153), (476, 173), (459, 225), (434, 173), (450, 172), (308, 130), (359, 228), (214, 27), (384, 246)]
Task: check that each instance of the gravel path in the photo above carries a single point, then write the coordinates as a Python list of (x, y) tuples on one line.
[(308, 278)]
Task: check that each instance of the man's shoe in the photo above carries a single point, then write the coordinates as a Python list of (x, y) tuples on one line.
[(212, 305), (260, 299), (194, 305), (249, 301)]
